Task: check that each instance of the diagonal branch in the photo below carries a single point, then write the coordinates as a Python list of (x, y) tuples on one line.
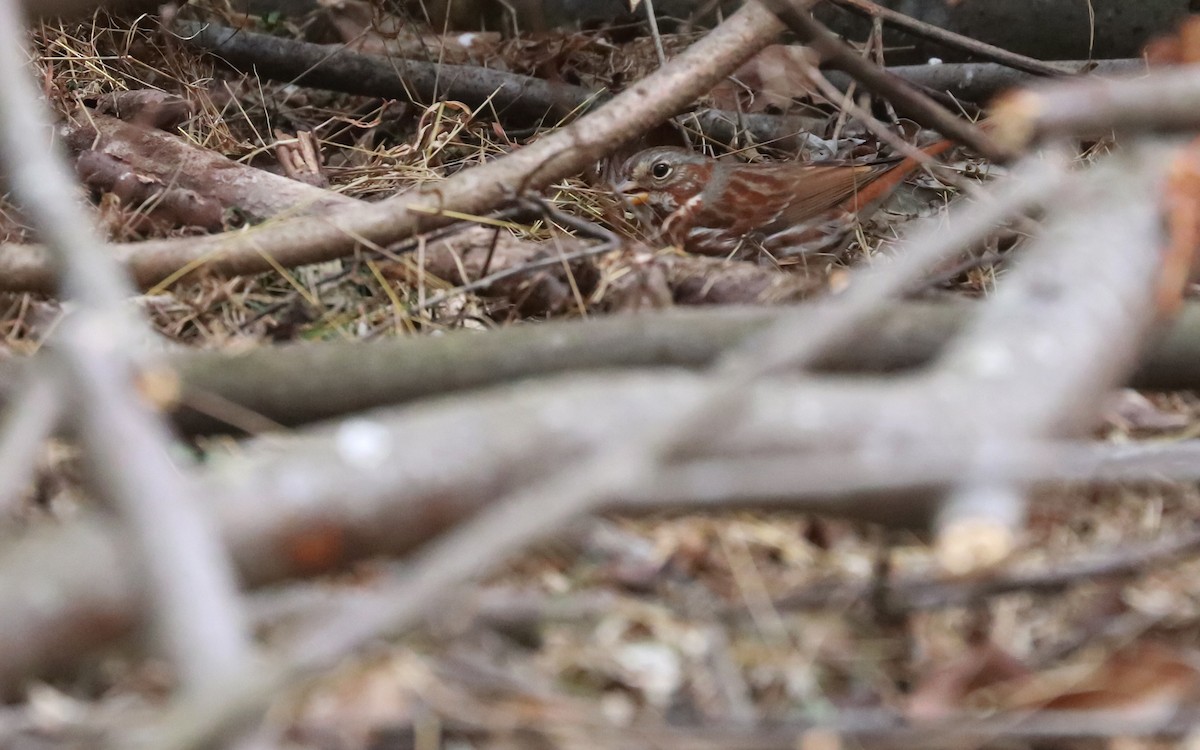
[(907, 100), (982, 50), (1063, 330)]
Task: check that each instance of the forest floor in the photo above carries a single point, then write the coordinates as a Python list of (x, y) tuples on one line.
[(735, 622)]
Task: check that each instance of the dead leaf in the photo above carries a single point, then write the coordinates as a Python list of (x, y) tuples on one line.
[(772, 78), (300, 157), (1182, 208), (148, 108), (1146, 680), (1180, 48), (948, 689)]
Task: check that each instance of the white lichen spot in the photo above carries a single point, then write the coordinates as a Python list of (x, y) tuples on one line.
[(52, 710), (653, 668), (806, 413), (858, 564), (363, 443), (695, 643), (99, 333), (617, 707), (558, 414), (1153, 602), (991, 361), (1043, 346), (43, 599)]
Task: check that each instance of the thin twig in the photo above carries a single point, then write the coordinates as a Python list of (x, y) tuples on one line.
[(508, 273), (543, 207), (906, 99), (950, 39), (652, 19)]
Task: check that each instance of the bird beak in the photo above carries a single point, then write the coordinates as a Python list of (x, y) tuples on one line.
[(633, 193)]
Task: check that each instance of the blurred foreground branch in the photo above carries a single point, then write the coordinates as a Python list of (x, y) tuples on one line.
[(195, 603)]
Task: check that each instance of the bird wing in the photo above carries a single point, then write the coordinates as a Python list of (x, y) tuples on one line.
[(764, 198), (827, 186)]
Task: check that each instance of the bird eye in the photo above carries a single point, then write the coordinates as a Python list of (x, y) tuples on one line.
[(660, 170)]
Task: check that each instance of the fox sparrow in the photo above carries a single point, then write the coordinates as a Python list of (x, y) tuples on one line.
[(716, 207)]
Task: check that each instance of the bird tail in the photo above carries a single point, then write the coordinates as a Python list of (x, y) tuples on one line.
[(872, 194)]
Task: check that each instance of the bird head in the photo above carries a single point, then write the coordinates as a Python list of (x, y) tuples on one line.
[(663, 178)]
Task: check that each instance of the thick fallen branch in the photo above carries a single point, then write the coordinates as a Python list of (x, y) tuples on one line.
[(297, 384), (979, 82), (508, 96), (292, 385), (1162, 100), (172, 161), (297, 518), (520, 98), (1061, 332), (524, 97), (339, 69), (830, 480), (285, 510)]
